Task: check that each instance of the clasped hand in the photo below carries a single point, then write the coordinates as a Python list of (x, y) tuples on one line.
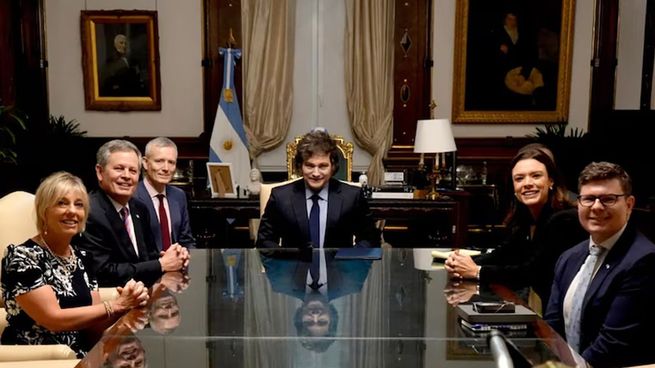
[(134, 294), (460, 292), (461, 266), (175, 258)]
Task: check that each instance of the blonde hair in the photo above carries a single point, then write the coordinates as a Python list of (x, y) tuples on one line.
[(52, 189)]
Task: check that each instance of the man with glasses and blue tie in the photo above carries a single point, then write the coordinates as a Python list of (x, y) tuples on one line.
[(604, 288)]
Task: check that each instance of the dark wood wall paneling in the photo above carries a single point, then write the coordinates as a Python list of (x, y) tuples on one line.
[(23, 82), (622, 136), (7, 58), (412, 69), (22, 60)]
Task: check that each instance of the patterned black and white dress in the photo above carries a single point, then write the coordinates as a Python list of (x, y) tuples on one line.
[(27, 267)]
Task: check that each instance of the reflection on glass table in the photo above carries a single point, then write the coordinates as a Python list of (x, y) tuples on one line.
[(360, 313)]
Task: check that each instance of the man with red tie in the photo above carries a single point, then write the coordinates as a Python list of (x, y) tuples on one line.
[(167, 205), (117, 240)]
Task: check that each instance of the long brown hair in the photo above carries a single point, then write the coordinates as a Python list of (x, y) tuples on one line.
[(557, 197)]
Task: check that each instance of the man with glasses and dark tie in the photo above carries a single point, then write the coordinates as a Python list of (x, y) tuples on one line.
[(117, 238), (604, 288)]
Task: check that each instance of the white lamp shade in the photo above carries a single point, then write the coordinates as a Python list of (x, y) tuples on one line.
[(434, 136)]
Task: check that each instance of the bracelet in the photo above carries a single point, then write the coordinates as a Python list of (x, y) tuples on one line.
[(108, 309), (477, 275)]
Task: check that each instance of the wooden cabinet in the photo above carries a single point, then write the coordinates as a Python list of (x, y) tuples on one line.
[(223, 222)]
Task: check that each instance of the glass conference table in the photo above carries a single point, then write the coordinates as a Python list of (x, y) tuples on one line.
[(254, 308)]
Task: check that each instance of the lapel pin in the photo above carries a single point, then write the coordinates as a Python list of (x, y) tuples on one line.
[(607, 267)]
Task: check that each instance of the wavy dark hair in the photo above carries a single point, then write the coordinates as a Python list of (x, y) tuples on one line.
[(317, 344), (316, 141), (558, 197)]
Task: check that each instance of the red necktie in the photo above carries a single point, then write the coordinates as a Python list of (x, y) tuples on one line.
[(163, 224)]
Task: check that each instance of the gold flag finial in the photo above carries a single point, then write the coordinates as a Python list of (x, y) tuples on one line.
[(433, 106), (231, 41)]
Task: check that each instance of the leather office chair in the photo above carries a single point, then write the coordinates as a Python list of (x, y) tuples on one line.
[(264, 195), (65, 363), (17, 224), (344, 148)]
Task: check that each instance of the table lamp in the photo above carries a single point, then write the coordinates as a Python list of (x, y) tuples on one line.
[(434, 136)]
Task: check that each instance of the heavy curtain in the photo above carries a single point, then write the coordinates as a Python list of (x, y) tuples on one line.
[(268, 50), (369, 78)]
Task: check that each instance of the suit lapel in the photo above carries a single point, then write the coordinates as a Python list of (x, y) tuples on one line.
[(144, 196), (299, 205), (174, 209), (335, 201), (612, 259), (138, 230), (118, 226)]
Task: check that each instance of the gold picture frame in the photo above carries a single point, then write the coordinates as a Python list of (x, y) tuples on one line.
[(512, 64), (220, 180), (120, 60)]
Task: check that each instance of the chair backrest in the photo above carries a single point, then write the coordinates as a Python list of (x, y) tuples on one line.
[(265, 194), (17, 221), (344, 148), (17, 218)]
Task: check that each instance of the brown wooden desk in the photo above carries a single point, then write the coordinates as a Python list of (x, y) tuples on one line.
[(223, 222)]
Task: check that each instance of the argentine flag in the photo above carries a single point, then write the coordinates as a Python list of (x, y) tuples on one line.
[(228, 141)]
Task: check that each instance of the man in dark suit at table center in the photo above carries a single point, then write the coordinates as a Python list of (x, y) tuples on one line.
[(167, 205), (117, 238), (317, 211), (604, 288)]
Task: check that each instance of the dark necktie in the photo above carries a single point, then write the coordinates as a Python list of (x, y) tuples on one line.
[(586, 272), (315, 237), (125, 215), (163, 224)]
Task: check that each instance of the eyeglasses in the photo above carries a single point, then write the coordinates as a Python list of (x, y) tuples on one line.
[(607, 200)]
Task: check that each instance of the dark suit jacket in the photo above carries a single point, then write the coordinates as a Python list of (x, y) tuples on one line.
[(521, 261), (111, 256), (179, 221), (617, 312), (285, 218), (288, 274)]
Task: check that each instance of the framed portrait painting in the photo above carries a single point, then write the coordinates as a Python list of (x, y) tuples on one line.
[(120, 60), (512, 61)]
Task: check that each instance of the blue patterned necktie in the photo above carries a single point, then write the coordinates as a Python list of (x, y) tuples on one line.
[(315, 237), (585, 274)]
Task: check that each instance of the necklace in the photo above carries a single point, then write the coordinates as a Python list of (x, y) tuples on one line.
[(69, 263)]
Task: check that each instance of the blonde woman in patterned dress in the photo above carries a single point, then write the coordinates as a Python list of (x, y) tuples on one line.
[(49, 297)]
